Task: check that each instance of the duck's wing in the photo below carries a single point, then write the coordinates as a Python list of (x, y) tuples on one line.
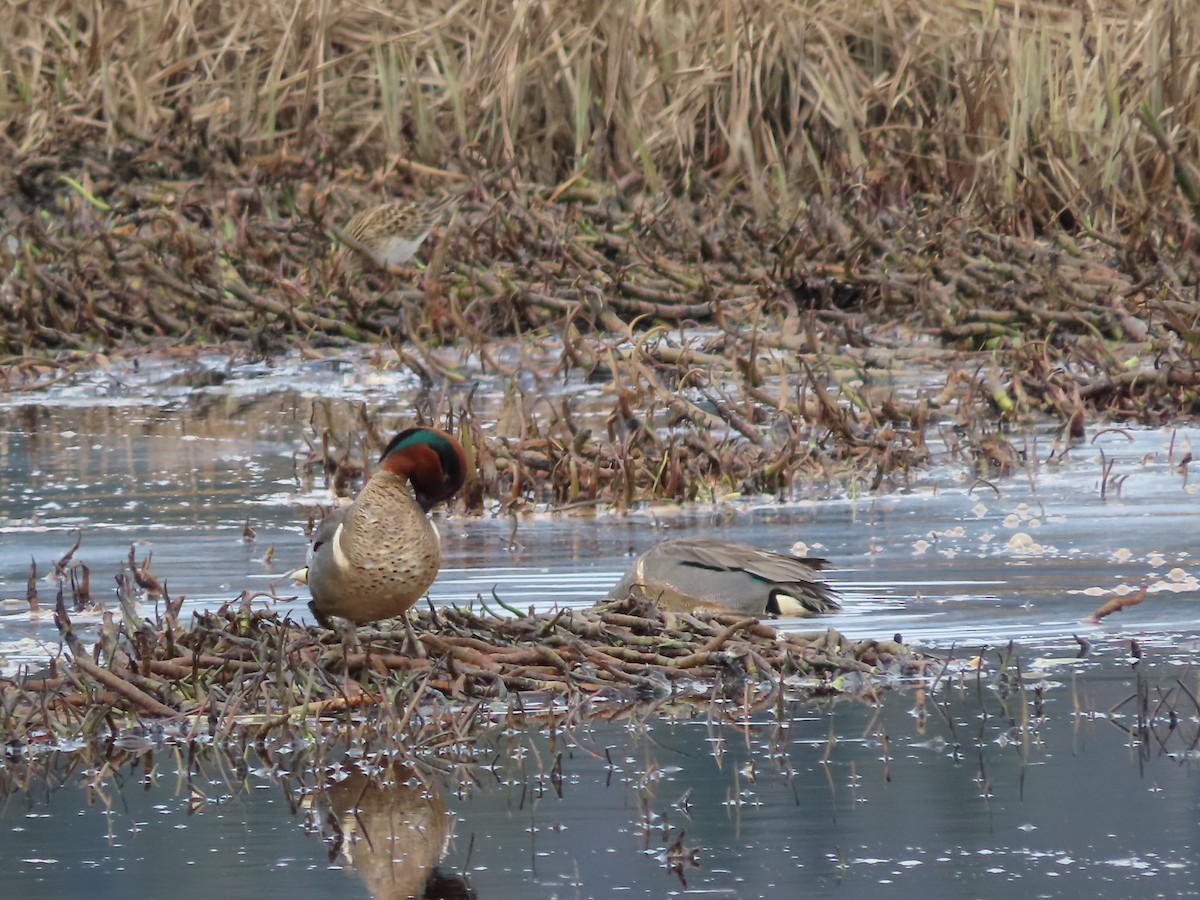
[(691, 572), (768, 565), (326, 530)]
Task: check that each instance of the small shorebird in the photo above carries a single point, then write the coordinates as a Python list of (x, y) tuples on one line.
[(390, 234), (705, 573), (374, 559)]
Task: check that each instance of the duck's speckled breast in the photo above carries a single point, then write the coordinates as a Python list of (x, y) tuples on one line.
[(389, 555)]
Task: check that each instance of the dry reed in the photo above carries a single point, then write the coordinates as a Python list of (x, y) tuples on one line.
[(1033, 113)]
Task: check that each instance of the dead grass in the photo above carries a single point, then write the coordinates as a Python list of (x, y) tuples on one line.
[(1035, 113), (831, 191), (242, 668)]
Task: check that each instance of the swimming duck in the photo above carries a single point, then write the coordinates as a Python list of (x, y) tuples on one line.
[(684, 574), (375, 558)]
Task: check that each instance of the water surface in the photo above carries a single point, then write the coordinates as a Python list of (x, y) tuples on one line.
[(961, 792), (955, 791), (179, 472)]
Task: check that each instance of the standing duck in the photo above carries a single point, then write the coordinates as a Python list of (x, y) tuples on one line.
[(375, 558), (684, 574)]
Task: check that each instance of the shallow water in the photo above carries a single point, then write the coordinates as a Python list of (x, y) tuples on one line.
[(175, 459), (969, 795), (178, 471)]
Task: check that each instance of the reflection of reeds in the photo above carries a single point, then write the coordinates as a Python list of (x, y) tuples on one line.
[(1164, 715), (391, 820)]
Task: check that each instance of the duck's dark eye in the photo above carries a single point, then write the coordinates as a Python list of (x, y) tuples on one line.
[(316, 546)]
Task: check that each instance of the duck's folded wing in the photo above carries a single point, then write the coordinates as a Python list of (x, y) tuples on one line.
[(725, 555), (326, 530), (689, 572)]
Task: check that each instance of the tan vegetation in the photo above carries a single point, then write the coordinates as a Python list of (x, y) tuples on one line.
[(241, 668), (1034, 110), (735, 215)]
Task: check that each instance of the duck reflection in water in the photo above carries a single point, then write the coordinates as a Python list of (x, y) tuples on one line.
[(394, 832)]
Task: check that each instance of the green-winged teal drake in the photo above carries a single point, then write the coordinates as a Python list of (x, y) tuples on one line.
[(684, 574), (375, 558)]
